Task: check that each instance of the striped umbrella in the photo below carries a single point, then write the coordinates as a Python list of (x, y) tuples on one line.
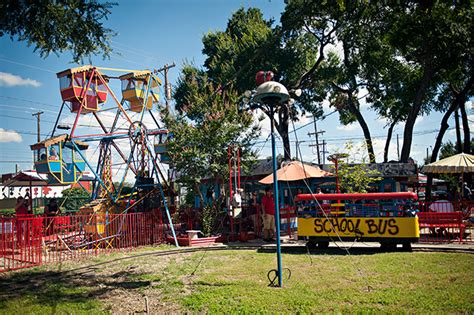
[(459, 163)]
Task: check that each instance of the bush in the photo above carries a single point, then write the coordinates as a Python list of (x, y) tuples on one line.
[(73, 199)]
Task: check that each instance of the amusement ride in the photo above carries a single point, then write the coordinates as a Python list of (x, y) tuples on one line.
[(130, 145)]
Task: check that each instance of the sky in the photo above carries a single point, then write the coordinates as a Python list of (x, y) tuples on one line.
[(149, 35)]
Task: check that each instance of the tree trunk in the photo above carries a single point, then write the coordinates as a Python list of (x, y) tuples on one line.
[(458, 132), (458, 101), (389, 139), (283, 125), (365, 128), (439, 140), (465, 128), (200, 195), (415, 110)]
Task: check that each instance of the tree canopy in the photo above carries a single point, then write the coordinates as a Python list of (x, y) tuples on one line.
[(58, 26), (250, 44), (396, 55), (397, 58)]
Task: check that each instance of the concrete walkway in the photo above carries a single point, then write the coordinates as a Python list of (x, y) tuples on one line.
[(291, 245)]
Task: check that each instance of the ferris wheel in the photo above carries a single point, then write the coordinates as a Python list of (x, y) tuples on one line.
[(128, 143)]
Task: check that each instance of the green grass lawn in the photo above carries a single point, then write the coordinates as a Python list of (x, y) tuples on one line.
[(235, 281)]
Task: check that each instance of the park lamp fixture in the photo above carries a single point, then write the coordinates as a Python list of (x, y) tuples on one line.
[(271, 93)]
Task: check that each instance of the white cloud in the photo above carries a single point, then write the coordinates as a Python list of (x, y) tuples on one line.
[(452, 132), (383, 121), (9, 136), (11, 80), (469, 105), (358, 150), (350, 127), (326, 106), (418, 120), (302, 120)]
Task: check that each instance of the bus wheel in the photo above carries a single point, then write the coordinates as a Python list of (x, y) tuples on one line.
[(323, 245), (388, 246), (311, 244), (407, 247)]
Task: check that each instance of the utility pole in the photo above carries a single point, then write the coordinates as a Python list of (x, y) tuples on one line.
[(38, 119), (398, 148), (316, 134), (165, 69), (324, 150), (296, 149)]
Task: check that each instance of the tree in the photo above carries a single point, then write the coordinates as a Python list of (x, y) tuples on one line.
[(208, 123), (249, 44), (58, 26), (356, 176), (435, 38), (400, 53), (74, 198), (333, 77)]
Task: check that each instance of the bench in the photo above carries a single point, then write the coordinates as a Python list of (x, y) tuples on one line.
[(442, 220)]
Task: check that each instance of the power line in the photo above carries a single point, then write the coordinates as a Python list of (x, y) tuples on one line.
[(307, 124), (49, 121), (25, 110), (27, 65), (29, 101)]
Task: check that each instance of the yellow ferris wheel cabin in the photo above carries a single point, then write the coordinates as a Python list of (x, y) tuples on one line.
[(134, 89)]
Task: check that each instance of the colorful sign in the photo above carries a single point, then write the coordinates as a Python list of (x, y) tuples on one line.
[(359, 227)]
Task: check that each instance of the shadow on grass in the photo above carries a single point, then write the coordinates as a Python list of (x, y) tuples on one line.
[(53, 289)]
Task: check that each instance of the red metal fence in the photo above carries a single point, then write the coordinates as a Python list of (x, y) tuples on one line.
[(20, 243), (443, 221), (32, 241)]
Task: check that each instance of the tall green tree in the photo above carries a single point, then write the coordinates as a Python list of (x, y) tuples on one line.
[(434, 37), (250, 44), (398, 53), (208, 123), (58, 26)]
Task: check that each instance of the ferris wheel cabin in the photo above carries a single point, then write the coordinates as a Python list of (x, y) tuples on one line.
[(82, 87), (58, 158), (134, 89), (161, 146)]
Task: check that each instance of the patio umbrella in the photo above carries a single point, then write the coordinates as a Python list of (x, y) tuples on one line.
[(458, 164), (294, 171)]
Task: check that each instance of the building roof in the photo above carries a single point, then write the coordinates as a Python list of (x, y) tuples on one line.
[(23, 178)]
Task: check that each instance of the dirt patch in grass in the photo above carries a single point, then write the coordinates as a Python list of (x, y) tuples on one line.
[(114, 285)]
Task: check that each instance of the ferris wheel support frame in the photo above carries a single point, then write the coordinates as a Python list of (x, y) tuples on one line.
[(147, 153)]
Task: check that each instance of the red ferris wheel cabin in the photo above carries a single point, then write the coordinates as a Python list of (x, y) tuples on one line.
[(83, 87)]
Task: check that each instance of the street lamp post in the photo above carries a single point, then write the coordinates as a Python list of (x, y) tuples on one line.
[(272, 93)]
